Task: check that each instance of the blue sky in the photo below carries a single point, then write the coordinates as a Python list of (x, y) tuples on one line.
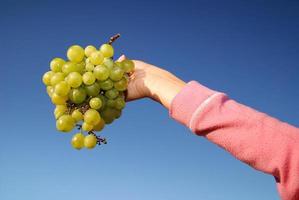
[(247, 49)]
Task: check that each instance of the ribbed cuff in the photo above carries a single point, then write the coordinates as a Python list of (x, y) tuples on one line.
[(186, 102)]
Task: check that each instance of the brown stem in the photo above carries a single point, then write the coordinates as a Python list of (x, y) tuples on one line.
[(113, 38)]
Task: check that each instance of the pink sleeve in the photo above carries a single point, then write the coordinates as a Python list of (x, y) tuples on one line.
[(253, 137)]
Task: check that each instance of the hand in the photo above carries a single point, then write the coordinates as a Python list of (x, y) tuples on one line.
[(153, 82)]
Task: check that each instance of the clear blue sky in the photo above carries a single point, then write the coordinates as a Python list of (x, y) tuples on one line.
[(248, 49)]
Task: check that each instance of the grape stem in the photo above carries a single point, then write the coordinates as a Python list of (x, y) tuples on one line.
[(113, 38), (99, 139)]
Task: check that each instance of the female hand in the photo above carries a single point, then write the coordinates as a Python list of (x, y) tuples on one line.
[(153, 82)]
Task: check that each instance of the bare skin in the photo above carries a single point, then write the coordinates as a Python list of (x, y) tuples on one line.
[(153, 82)]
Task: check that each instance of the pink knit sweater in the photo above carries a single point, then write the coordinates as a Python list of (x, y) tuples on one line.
[(255, 138)]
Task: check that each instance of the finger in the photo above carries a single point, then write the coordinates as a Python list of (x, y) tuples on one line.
[(121, 58)]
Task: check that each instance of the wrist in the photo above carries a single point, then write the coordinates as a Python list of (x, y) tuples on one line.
[(166, 90)]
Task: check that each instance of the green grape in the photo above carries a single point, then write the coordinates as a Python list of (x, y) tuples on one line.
[(65, 123), (95, 103), (78, 141), (50, 90), (118, 64), (47, 78), (75, 53), (77, 95), (92, 90), (89, 50), (99, 126), (104, 102), (62, 88), (108, 62), (92, 117), (69, 67), (90, 141), (56, 78), (101, 72), (121, 85), (87, 127), (58, 100), (112, 93), (106, 85), (87, 60), (120, 103), (59, 111), (77, 115), (56, 64), (107, 50), (128, 65), (110, 103), (96, 58), (81, 67), (117, 113), (116, 73), (89, 67), (88, 78), (74, 79), (108, 115)]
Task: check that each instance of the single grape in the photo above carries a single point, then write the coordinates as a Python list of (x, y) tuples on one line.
[(108, 62), (112, 93), (81, 67), (87, 60), (117, 64), (88, 78), (62, 88), (92, 90), (89, 50), (95, 103), (90, 141), (119, 103), (59, 111), (69, 67), (77, 115), (121, 85), (99, 126), (108, 115), (92, 117), (77, 95), (74, 79), (56, 78), (104, 101), (75, 53), (101, 72), (65, 123), (56, 64), (78, 141), (96, 58), (89, 67), (50, 90), (128, 65), (58, 100), (116, 73), (47, 78), (117, 113), (87, 127), (107, 50), (106, 85), (110, 103)]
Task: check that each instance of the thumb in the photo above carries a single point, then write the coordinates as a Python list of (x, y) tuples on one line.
[(121, 58)]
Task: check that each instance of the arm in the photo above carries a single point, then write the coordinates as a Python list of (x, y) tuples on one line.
[(261, 141)]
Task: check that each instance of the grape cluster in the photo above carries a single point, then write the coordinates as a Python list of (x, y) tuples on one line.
[(88, 91)]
